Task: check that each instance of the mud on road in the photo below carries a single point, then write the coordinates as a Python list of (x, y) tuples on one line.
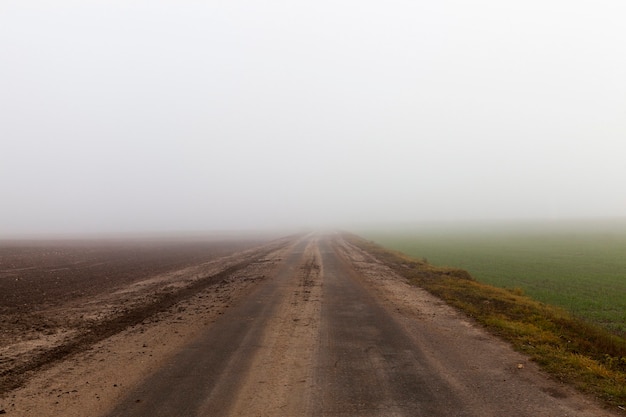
[(303, 326), (59, 298)]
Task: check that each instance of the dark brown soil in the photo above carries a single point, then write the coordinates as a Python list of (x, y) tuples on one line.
[(38, 274)]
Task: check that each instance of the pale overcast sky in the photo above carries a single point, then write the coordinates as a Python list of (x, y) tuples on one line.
[(124, 116)]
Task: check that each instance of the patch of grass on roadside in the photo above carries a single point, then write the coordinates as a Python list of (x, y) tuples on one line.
[(572, 350), (578, 267)]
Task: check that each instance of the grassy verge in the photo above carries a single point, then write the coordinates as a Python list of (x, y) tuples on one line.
[(581, 270), (573, 351)]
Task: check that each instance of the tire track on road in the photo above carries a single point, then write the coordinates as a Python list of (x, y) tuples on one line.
[(368, 366), (205, 377)]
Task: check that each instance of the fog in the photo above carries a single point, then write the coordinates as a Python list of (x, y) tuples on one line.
[(165, 116)]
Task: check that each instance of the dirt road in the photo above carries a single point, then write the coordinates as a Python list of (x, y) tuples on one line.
[(329, 331)]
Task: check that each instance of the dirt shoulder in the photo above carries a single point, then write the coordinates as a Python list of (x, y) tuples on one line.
[(110, 341)]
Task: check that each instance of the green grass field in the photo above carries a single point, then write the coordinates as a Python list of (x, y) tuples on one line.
[(581, 268)]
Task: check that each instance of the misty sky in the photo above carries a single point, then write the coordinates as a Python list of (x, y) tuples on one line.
[(198, 115)]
